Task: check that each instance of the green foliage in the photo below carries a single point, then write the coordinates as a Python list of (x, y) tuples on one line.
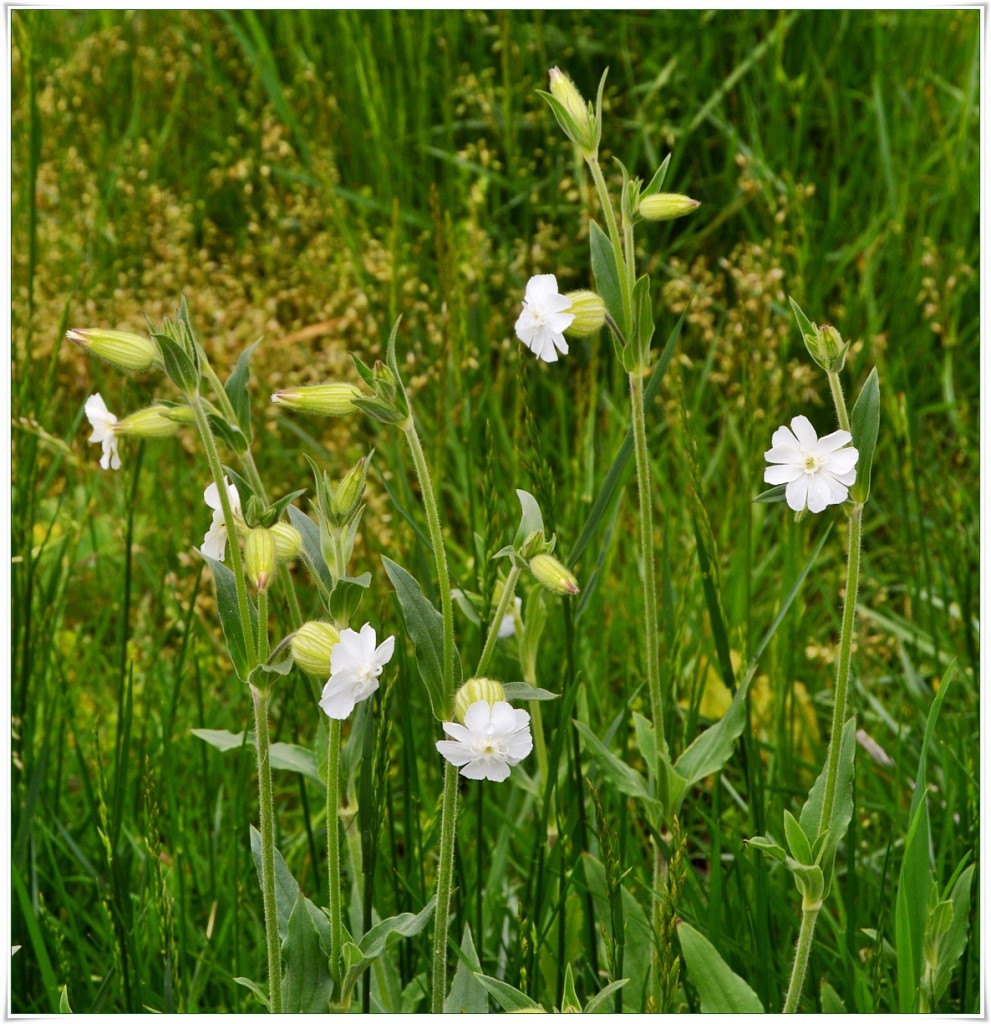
[(720, 989)]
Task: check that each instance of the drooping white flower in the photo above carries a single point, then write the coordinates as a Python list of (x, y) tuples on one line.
[(493, 739), (818, 470), (355, 666), (544, 319), (215, 541), (102, 421)]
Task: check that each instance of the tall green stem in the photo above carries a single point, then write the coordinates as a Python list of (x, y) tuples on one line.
[(647, 560), (622, 268), (334, 845), (505, 603), (266, 827), (449, 812), (802, 950)]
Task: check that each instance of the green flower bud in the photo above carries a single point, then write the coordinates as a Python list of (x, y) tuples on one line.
[(550, 573), (581, 129), (311, 646), (589, 312), (122, 348), (666, 206), (346, 496), (475, 690), (155, 421), (259, 556), (288, 541), (334, 399), (827, 348), (181, 414)]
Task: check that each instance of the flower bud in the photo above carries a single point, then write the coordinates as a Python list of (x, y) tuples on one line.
[(334, 399), (122, 348), (475, 690), (589, 312), (155, 421), (288, 541), (582, 130), (311, 646), (827, 348), (346, 496), (666, 206), (259, 556), (181, 414), (550, 573)]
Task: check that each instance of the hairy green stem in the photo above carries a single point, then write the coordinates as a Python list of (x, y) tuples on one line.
[(505, 602), (334, 846), (803, 947), (647, 562), (449, 812), (836, 389), (623, 268), (266, 828)]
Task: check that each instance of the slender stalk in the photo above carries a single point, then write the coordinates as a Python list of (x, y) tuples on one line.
[(262, 626), (647, 560), (803, 947), (836, 389), (445, 871), (624, 271), (266, 827), (505, 602), (334, 846), (449, 811)]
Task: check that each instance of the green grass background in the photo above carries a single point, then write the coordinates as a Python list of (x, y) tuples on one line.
[(308, 177)]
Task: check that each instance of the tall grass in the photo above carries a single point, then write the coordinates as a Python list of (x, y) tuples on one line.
[(308, 177)]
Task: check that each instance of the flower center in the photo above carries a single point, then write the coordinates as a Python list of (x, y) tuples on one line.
[(812, 464)]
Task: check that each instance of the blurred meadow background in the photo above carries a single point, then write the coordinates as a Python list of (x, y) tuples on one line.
[(307, 177)]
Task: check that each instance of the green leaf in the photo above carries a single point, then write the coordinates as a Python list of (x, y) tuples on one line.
[(805, 325), (310, 533), (954, 941), (229, 434), (603, 996), (865, 418), (915, 877), (657, 182), (646, 740), (643, 311), (426, 629), (179, 368), (512, 1000), (524, 691), (382, 937), (720, 989), (278, 507), (830, 999), (236, 387), (307, 984), (798, 843), (842, 805), (768, 847), (257, 990), (63, 1000), (569, 998), (467, 994), (626, 779), (531, 521), (607, 276), (713, 748), (238, 646), (771, 496)]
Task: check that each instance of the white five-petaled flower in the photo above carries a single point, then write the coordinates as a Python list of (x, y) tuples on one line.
[(818, 470), (545, 318), (102, 421), (215, 540), (355, 666), (493, 739)]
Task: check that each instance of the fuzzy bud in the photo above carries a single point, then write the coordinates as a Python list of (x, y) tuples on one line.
[(581, 131), (346, 496), (550, 573), (155, 421), (288, 541), (827, 348), (259, 556), (122, 348), (589, 312), (666, 206), (311, 646), (475, 690), (334, 399)]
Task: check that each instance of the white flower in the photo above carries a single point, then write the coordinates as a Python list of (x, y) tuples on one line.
[(508, 625), (818, 471), (215, 540), (493, 739), (355, 666), (102, 420), (544, 318)]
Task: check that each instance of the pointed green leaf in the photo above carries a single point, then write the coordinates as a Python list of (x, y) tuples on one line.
[(531, 520), (307, 985), (597, 1004), (310, 533), (768, 848), (798, 843), (830, 999), (607, 276), (238, 645), (771, 496), (426, 629), (569, 998), (657, 182), (179, 368), (255, 989), (954, 940), (865, 418), (720, 989), (236, 388), (805, 325), (714, 747), (524, 691), (626, 779), (467, 994), (512, 1000), (643, 311)]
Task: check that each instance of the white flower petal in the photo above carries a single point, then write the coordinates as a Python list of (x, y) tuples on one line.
[(833, 442), (457, 753), (804, 431), (784, 438), (781, 474), (818, 497), (797, 492)]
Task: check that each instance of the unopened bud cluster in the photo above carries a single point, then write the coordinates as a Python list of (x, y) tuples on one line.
[(827, 348)]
